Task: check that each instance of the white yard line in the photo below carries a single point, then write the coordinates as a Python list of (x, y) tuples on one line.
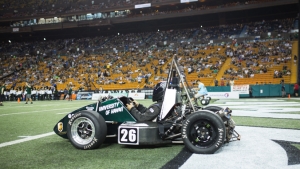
[(34, 105), (251, 108), (26, 139), (63, 113), (34, 111)]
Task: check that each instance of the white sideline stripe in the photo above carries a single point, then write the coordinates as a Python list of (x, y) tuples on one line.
[(26, 139), (33, 111), (34, 105), (63, 113)]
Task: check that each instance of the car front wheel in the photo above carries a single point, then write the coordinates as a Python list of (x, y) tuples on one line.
[(86, 130)]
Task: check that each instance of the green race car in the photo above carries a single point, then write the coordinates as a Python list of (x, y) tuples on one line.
[(203, 130)]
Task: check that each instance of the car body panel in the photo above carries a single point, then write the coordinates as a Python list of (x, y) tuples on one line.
[(113, 111)]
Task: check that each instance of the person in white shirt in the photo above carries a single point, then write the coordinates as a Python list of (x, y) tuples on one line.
[(12, 94), (33, 93), (231, 82), (49, 94), (19, 94), (41, 93), (6, 95)]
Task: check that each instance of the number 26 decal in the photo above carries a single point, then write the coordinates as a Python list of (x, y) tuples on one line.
[(128, 135)]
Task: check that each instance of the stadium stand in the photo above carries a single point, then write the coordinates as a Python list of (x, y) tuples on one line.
[(23, 8), (137, 60)]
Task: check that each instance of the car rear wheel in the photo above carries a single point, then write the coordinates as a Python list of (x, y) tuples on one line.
[(213, 108), (203, 132), (86, 130)]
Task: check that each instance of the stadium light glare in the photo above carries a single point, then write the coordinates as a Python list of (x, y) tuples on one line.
[(44, 38), (9, 41), (157, 30)]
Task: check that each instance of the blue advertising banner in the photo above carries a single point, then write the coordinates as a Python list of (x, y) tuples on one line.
[(84, 95)]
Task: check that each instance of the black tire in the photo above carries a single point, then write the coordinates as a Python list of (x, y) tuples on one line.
[(203, 132), (86, 130), (213, 108)]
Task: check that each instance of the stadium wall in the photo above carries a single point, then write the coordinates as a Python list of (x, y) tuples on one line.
[(267, 90)]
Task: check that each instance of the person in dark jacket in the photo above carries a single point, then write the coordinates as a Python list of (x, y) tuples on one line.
[(70, 93), (283, 91), (2, 89), (142, 113), (65, 93)]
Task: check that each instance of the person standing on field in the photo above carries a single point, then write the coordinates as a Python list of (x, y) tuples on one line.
[(65, 93), (2, 89), (296, 89), (28, 89), (283, 91), (70, 93)]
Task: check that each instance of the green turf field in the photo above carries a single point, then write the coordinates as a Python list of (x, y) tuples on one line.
[(19, 121), (297, 146)]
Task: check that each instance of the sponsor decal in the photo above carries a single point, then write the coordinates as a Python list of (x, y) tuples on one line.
[(60, 126), (184, 129), (224, 95), (114, 111), (73, 118), (90, 144), (111, 108), (84, 95), (137, 95), (70, 115), (151, 110), (89, 108), (220, 138), (241, 89)]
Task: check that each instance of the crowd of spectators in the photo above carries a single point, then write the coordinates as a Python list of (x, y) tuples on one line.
[(249, 59), (85, 61), (137, 66), (276, 26), (128, 41), (219, 32)]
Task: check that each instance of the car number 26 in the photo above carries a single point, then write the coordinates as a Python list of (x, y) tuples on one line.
[(128, 135)]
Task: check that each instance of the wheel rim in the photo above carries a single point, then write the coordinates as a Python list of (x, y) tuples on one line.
[(83, 130), (203, 133)]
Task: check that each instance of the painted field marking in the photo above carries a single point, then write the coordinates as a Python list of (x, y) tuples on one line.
[(26, 139), (268, 109), (33, 111), (37, 105), (63, 113)]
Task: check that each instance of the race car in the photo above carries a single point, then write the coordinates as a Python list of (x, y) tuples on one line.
[(203, 130)]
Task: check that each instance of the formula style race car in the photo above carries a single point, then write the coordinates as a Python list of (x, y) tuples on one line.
[(203, 130)]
